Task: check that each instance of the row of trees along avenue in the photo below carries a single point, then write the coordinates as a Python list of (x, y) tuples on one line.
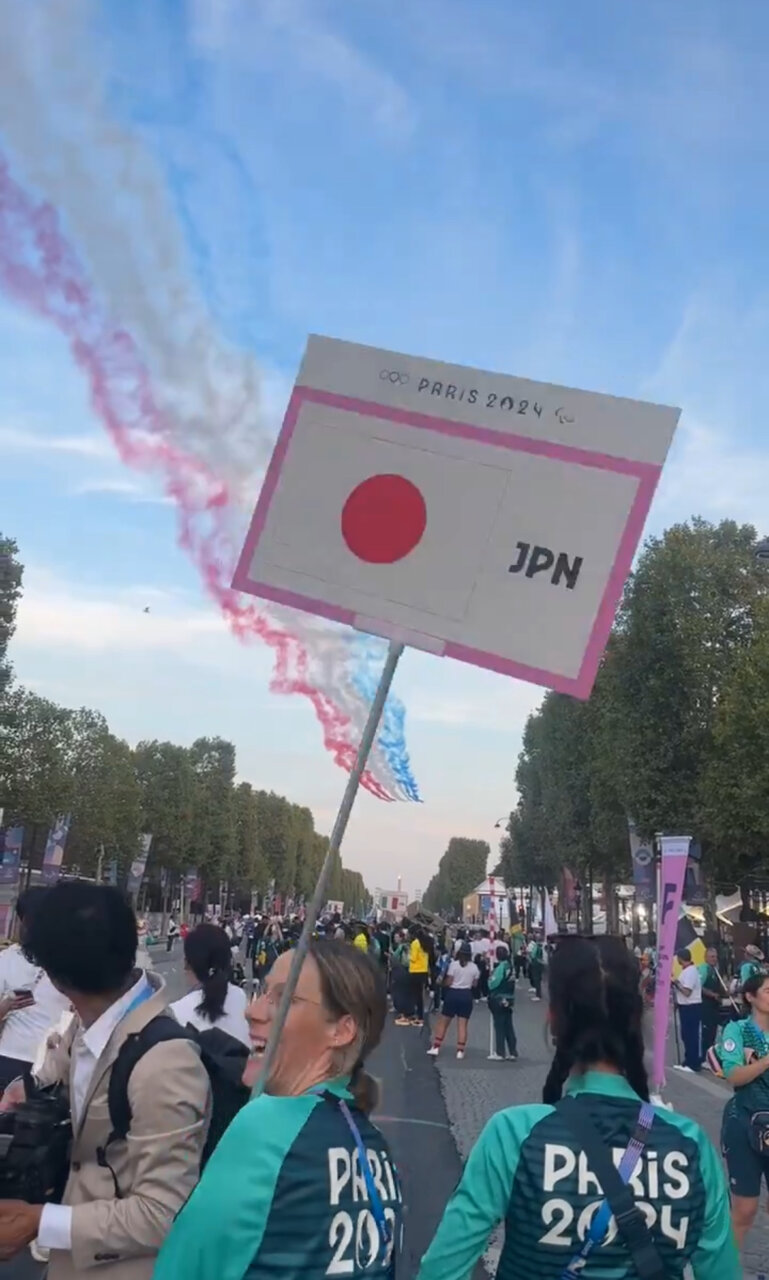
[(54, 760), (676, 732)]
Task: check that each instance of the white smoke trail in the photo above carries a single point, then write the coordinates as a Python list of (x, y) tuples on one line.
[(115, 206), (54, 113)]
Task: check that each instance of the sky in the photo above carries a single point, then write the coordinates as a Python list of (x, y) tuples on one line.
[(575, 194)]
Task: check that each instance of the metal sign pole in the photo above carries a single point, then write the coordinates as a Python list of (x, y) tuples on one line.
[(394, 652)]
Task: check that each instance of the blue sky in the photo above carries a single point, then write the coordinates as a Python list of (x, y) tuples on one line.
[(573, 193)]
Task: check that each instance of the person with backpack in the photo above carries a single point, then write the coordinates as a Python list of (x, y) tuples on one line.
[(598, 1183), (743, 1053), (501, 1004), (303, 1183), (126, 1183)]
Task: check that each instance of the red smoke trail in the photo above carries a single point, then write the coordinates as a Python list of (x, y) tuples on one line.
[(40, 269)]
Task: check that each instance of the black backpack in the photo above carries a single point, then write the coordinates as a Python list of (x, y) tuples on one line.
[(223, 1057)]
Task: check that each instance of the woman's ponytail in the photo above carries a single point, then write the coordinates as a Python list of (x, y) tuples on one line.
[(214, 991), (207, 953), (364, 1089)]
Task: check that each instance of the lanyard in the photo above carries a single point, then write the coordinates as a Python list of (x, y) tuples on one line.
[(602, 1218), (145, 994), (377, 1208)]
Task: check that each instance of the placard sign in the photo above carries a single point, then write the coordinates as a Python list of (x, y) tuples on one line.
[(485, 517)]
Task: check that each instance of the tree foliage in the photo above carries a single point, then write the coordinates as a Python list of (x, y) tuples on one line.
[(460, 870), (676, 732), (54, 760), (11, 573)]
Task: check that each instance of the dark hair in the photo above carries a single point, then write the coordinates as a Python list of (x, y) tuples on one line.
[(751, 987), (596, 1012), (351, 983), (84, 936), (684, 955), (29, 900), (207, 950), (464, 954), (502, 953)]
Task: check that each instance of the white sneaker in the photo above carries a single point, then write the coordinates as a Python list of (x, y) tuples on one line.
[(433, 1053), (494, 1057), (536, 999), (678, 1067), (460, 1054)]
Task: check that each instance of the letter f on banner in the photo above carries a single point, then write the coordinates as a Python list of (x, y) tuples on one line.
[(675, 854)]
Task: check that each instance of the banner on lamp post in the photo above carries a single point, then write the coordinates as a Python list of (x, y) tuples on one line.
[(139, 864), (53, 858), (11, 845), (642, 854), (675, 854), (192, 886), (550, 924)]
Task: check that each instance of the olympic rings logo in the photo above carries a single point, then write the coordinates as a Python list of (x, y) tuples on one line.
[(397, 379)]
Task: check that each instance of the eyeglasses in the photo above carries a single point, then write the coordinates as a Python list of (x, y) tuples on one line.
[(273, 996)]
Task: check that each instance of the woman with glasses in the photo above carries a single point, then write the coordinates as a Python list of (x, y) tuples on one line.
[(302, 1184)]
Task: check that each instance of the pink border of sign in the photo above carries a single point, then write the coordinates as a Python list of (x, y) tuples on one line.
[(647, 474)]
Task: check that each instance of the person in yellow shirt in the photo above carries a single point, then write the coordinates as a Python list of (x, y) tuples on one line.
[(361, 939), (419, 967)]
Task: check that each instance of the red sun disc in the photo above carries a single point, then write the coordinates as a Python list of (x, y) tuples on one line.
[(384, 519)]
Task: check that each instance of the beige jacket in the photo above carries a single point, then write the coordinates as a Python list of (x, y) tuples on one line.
[(156, 1167)]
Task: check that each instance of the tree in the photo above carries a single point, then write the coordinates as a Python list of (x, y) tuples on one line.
[(106, 800), (213, 761), (11, 573), (36, 743), (168, 797), (278, 839), (687, 616), (251, 872), (460, 870), (734, 794)]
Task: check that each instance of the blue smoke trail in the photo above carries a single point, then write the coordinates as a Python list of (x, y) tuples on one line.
[(368, 654)]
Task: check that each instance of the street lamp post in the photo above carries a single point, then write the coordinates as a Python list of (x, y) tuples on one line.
[(761, 551)]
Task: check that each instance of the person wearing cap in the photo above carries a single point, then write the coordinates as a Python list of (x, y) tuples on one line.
[(752, 965)]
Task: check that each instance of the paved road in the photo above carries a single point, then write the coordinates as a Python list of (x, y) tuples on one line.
[(412, 1115)]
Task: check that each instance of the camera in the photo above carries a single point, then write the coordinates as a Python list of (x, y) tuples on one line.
[(35, 1143)]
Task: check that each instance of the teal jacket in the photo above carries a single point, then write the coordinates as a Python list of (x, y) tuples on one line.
[(527, 1171), (283, 1198)]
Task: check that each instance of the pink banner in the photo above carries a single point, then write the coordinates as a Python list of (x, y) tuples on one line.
[(675, 852)]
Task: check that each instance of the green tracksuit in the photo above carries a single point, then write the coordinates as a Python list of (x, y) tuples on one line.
[(527, 1171), (283, 1198)]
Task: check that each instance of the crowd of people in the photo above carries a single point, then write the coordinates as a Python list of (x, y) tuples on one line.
[(174, 1169)]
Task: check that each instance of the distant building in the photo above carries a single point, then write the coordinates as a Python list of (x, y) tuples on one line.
[(487, 904)]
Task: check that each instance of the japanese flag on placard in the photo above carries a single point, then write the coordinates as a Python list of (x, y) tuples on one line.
[(380, 520), (497, 527)]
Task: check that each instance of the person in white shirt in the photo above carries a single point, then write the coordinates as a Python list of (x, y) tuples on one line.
[(30, 1005), (122, 1193), (688, 989), (459, 983), (214, 1001)]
